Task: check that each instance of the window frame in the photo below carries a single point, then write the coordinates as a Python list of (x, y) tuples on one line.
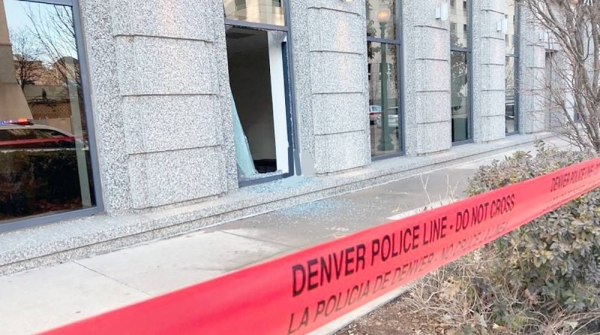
[(289, 79), (43, 219), (516, 61), (400, 92), (468, 51)]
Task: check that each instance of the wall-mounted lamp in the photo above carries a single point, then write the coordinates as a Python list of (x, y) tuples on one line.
[(441, 12), (502, 25)]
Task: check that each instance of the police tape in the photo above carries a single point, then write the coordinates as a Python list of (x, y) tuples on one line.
[(303, 291)]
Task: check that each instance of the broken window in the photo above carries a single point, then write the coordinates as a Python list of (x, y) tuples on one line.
[(257, 75)]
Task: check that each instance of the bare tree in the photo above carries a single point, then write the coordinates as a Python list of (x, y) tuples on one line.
[(572, 83), (26, 54), (55, 31)]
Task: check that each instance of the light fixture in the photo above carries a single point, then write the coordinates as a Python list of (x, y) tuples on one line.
[(441, 12), (347, 0), (384, 14), (502, 25)]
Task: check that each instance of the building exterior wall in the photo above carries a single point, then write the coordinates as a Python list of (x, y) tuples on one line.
[(488, 71), (330, 84), (159, 75), (532, 113), (160, 95)]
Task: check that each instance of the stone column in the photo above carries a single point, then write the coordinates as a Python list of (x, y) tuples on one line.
[(489, 83), (160, 100), (331, 88), (426, 72), (532, 56)]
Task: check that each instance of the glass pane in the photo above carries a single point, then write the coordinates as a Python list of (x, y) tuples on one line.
[(381, 18), (512, 21), (459, 21), (256, 11), (510, 111), (460, 97), (383, 99), (44, 156)]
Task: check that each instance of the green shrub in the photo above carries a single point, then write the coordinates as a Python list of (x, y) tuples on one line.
[(553, 262)]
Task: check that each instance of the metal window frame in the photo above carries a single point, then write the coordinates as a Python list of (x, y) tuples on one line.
[(400, 92), (289, 90), (515, 56), (43, 219), (469, 53)]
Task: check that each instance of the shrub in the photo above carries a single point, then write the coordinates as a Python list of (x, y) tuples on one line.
[(554, 261), (543, 278)]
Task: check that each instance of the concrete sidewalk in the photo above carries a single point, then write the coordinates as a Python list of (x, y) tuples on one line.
[(42, 299)]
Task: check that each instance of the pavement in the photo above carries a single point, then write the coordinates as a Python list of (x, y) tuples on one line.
[(45, 298)]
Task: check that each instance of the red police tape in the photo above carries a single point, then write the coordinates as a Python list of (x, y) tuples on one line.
[(305, 290)]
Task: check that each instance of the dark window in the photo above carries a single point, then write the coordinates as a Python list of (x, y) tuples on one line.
[(460, 97), (511, 71)]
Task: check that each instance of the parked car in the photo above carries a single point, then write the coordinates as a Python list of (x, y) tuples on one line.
[(23, 134), (392, 118), (374, 112)]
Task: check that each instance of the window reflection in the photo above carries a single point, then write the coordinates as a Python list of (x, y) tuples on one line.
[(381, 19), (510, 33), (510, 95), (44, 156), (459, 20), (256, 11), (384, 118), (510, 68), (460, 97)]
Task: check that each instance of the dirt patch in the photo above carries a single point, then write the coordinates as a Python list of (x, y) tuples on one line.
[(394, 318)]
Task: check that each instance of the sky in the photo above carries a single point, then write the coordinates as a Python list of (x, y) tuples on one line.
[(16, 16)]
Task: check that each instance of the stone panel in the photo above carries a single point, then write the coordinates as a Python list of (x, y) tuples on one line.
[(338, 72), (186, 19), (489, 128), (339, 152), (493, 77), (161, 123), (354, 7), (430, 75), (106, 108), (498, 6), (432, 44), (492, 103), (433, 137), (493, 51), (432, 107), (176, 176), (338, 31), (150, 65), (337, 113)]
